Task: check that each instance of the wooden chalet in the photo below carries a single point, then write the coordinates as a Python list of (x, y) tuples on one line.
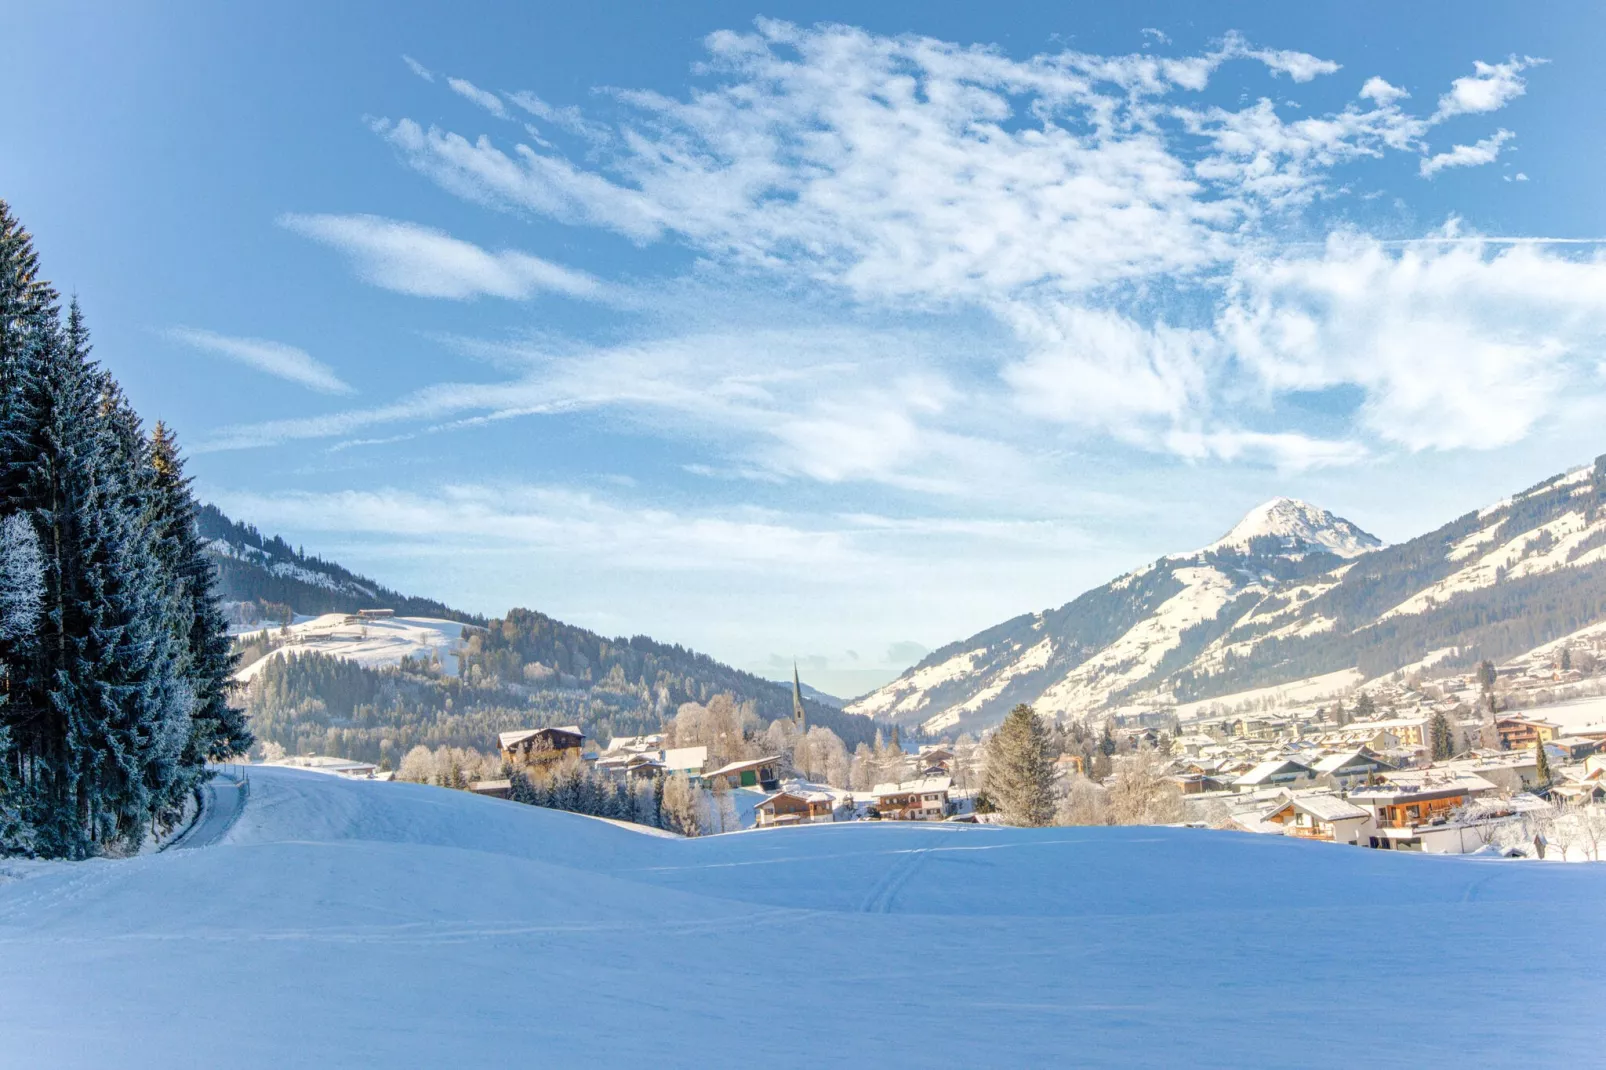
[(1319, 817), (764, 773), (538, 746), (1517, 733), (915, 800), (1415, 810), (795, 806)]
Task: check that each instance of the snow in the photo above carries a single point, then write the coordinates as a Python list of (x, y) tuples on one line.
[(1301, 525), (348, 923), (1310, 689), (372, 643)]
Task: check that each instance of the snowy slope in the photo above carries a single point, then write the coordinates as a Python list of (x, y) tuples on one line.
[(374, 644), (1291, 594), (364, 924)]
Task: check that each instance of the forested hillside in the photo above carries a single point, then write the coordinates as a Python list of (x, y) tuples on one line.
[(524, 670), (268, 572)]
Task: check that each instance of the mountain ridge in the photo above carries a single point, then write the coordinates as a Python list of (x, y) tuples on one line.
[(1291, 592)]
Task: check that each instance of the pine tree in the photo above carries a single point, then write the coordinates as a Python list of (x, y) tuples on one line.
[(1020, 774), (218, 730), (1541, 763), (97, 713), (1443, 737), (1365, 707)]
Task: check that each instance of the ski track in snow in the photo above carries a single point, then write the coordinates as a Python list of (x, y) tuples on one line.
[(351, 923)]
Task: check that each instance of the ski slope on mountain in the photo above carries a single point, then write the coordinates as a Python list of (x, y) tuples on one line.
[(373, 644), (347, 923)]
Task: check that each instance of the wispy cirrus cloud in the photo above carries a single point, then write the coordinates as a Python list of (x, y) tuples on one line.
[(274, 358), (425, 262), (1054, 193)]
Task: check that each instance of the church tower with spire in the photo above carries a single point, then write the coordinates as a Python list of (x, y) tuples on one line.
[(798, 720)]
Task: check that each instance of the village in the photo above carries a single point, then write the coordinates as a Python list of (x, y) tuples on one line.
[(1510, 760)]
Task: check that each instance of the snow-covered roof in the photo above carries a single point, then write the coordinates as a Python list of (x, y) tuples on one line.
[(1436, 780), (684, 758), (743, 765), (1321, 807), (1334, 762), (1263, 772), (925, 784), (517, 736)]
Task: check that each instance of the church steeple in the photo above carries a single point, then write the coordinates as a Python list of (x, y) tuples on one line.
[(798, 719)]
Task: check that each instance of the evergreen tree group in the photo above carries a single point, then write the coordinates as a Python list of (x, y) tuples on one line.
[(576, 787), (115, 657)]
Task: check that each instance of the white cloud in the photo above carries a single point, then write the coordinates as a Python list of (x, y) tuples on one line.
[(275, 358), (1065, 196), (563, 521), (1490, 87), (484, 98), (418, 68), (1459, 345), (1485, 151), (418, 260), (1381, 91)]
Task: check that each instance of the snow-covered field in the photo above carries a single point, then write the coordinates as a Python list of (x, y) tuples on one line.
[(373, 643), (347, 923)]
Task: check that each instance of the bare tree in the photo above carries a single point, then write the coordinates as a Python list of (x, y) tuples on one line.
[(1142, 794)]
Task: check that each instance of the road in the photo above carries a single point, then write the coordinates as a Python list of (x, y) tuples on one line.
[(222, 800)]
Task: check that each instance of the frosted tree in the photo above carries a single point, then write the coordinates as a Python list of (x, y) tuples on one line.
[(22, 580), (1141, 793), (681, 808), (1020, 772), (1084, 803)]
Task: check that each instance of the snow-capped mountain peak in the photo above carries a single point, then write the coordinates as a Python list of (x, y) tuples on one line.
[(1300, 527)]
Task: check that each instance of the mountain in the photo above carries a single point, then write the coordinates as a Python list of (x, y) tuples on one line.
[(266, 575), (524, 668), (1292, 593)]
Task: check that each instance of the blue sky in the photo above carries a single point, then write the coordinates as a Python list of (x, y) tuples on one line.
[(827, 331)]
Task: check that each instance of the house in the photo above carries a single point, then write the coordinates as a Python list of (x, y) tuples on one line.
[(1277, 772), (936, 756), (795, 806), (538, 746), (1349, 768), (914, 800), (688, 760), (1319, 817), (1196, 783), (1517, 733), (1416, 810), (635, 744), (764, 773), (496, 789), (1407, 731)]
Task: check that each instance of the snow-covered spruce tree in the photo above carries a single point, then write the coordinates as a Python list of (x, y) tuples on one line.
[(217, 730), (1020, 772), (1541, 763), (21, 592), (98, 712)]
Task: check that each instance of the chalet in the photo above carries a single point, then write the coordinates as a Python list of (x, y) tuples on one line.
[(538, 746), (496, 789), (635, 765), (1415, 810), (913, 800), (1196, 783), (1278, 772), (1517, 733), (795, 806), (689, 760), (936, 757), (761, 773), (1319, 817), (1350, 768)]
